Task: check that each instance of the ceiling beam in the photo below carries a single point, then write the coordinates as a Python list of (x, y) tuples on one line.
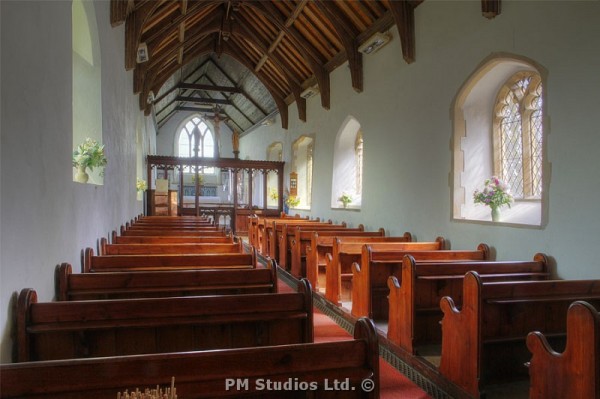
[(237, 54), (306, 49), (491, 8), (201, 110), (347, 35), (199, 100), (251, 35), (133, 31), (118, 12), (404, 15), (243, 92), (196, 86), (233, 104)]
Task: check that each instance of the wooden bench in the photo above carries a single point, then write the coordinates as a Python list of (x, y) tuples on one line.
[(574, 373), (414, 298), (163, 232), (259, 238), (322, 244), (207, 374), (376, 264), (288, 233), (274, 232), (98, 328), (301, 241), (484, 342), (222, 239), (120, 285), (114, 263), (171, 248), (347, 250)]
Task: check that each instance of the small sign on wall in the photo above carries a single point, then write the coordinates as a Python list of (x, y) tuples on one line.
[(293, 184)]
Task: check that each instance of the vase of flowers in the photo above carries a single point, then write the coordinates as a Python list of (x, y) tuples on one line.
[(141, 185), (89, 154), (345, 199), (495, 194), (292, 201)]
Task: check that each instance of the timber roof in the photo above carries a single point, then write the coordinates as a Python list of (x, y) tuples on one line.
[(243, 60)]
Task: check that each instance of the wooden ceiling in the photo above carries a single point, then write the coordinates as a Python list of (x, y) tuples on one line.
[(246, 59)]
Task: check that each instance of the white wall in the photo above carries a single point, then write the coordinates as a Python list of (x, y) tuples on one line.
[(46, 218), (404, 112)]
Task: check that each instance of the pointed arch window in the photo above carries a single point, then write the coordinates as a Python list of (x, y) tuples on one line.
[(518, 135), (348, 165), (194, 130)]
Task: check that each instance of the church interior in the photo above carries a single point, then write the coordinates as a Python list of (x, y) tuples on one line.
[(413, 182)]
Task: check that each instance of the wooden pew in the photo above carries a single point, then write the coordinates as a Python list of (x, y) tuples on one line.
[(321, 244), (115, 239), (98, 328), (260, 240), (115, 263), (265, 230), (414, 299), (346, 251), (163, 249), (274, 230), (484, 342), (370, 274), (121, 285), (162, 232), (301, 241), (574, 373), (288, 232), (207, 374)]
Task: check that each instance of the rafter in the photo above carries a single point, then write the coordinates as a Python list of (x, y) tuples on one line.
[(200, 100), (133, 31), (196, 86), (491, 8), (404, 15), (347, 36), (310, 55)]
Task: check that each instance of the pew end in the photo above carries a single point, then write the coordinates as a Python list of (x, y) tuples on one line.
[(574, 373)]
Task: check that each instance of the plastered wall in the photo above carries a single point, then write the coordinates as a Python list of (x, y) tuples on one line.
[(46, 218), (405, 116)]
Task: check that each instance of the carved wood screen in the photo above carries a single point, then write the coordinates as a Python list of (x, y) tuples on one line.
[(231, 166)]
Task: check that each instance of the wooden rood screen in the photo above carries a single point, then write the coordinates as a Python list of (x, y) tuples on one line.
[(230, 168)]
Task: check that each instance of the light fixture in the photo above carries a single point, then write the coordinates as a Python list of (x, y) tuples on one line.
[(142, 53), (310, 92), (374, 43)]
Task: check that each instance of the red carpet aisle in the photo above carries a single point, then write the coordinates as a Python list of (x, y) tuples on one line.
[(393, 385)]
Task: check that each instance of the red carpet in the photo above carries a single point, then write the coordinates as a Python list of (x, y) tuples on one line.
[(392, 383)]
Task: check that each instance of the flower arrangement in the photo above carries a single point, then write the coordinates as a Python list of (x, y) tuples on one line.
[(292, 201), (141, 185), (345, 199), (273, 194), (89, 154), (495, 194)]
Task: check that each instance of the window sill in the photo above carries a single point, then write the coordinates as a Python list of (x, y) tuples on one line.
[(349, 208), (521, 214)]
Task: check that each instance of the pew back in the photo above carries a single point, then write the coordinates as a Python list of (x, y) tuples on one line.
[(98, 328), (205, 374), (140, 284), (346, 251), (321, 243), (414, 311), (484, 342)]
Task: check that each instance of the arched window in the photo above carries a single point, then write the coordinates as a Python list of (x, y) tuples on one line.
[(302, 154), (86, 80), (348, 165), (499, 130), (196, 129), (274, 153), (518, 135)]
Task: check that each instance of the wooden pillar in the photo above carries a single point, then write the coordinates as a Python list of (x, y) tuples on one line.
[(250, 183), (235, 200), (280, 188), (265, 191), (180, 207), (149, 190), (197, 190)]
